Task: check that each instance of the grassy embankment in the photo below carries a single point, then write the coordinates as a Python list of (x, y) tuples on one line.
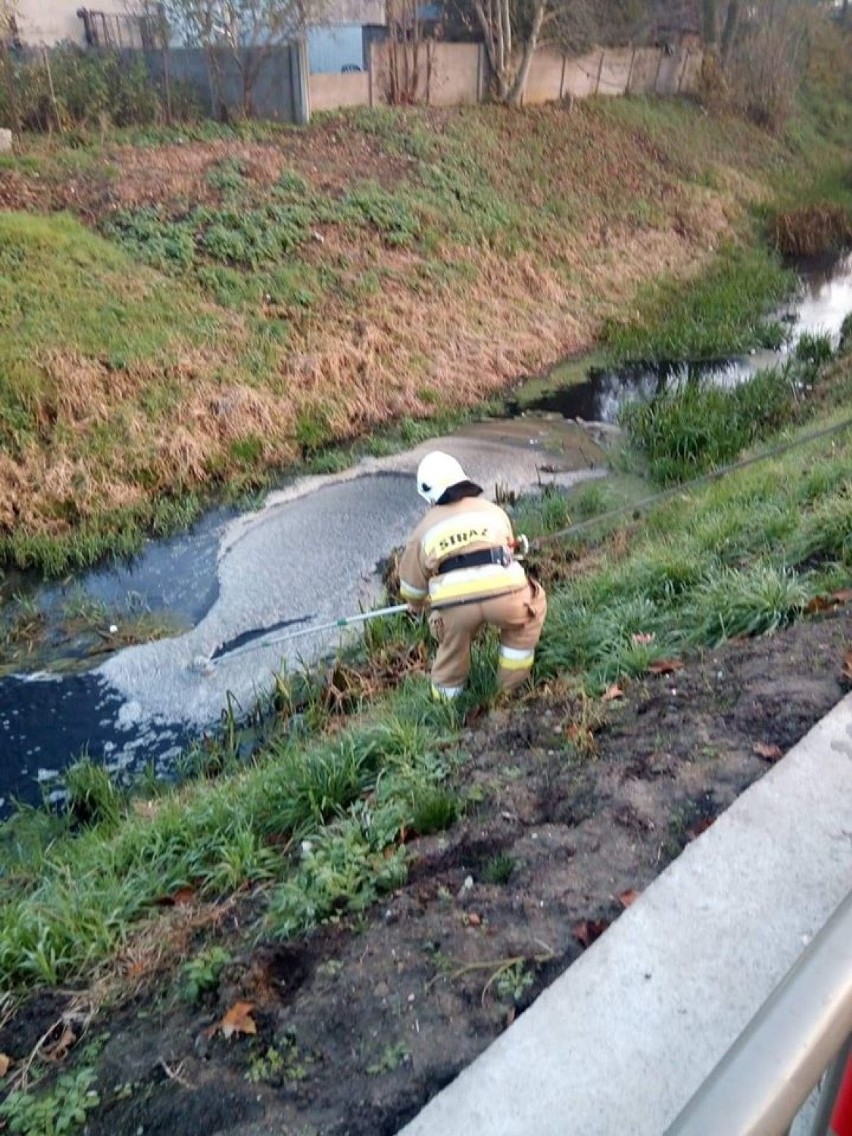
[(80, 891), (315, 827), (737, 557), (212, 307)]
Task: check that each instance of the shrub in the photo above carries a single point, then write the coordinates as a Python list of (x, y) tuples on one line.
[(766, 66), (72, 87)]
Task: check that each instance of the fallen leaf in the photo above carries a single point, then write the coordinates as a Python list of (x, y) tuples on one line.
[(665, 666), (817, 604), (59, 1050), (180, 898), (612, 693), (5, 1062), (700, 826), (628, 897), (643, 637), (474, 920), (237, 1020), (588, 930), (767, 750), (826, 603), (847, 665)]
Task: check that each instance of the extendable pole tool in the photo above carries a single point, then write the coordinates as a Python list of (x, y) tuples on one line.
[(206, 665)]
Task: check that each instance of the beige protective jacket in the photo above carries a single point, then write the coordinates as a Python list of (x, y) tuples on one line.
[(469, 525)]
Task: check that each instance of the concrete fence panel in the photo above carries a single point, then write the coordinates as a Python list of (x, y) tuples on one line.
[(692, 71), (403, 67), (328, 91), (456, 74), (643, 75), (672, 71), (544, 82), (277, 90), (581, 75), (439, 74), (452, 74), (615, 71)]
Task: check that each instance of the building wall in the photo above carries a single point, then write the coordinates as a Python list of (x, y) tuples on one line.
[(354, 12), (332, 49), (51, 21)]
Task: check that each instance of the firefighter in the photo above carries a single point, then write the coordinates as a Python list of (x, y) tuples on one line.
[(461, 561)]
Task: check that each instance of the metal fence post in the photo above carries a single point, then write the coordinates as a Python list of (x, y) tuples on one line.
[(830, 1088), (299, 84)]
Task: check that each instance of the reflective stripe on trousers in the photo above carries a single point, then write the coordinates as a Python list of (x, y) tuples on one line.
[(441, 692), (516, 659), (518, 615)]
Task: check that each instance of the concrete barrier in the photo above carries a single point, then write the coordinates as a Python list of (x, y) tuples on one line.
[(453, 74), (621, 1041), (544, 82), (329, 91)]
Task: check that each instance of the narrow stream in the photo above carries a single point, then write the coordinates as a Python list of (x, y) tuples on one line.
[(309, 555), (577, 389)]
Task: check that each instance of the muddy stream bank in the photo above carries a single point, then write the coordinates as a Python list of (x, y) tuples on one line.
[(310, 554)]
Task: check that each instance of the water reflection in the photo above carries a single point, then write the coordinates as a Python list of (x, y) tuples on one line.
[(821, 308)]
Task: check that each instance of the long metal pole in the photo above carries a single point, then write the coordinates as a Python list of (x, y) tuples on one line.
[(762, 1081), (271, 640)]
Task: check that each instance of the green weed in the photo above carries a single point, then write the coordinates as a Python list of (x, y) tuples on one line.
[(434, 809), (281, 1063), (92, 797), (499, 869), (691, 428), (513, 982), (722, 313), (391, 1058), (757, 600), (54, 1111), (227, 176), (200, 974)]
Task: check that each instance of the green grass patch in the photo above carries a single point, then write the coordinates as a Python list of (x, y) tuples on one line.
[(723, 312), (693, 427), (317, 823), (65, 290), (741, 556)]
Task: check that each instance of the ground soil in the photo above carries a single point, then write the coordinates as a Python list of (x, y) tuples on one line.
[(584, 805)]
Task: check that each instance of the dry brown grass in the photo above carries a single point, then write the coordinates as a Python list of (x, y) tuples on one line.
[(813, 230), (459, 338)]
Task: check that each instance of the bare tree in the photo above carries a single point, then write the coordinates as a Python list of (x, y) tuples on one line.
[(8, 36), (246, 31), (729, 32), (766, 59), (409, 57), (511, 30), (710, 23)]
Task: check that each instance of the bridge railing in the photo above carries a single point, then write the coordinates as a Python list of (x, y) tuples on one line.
[(803, 1031)]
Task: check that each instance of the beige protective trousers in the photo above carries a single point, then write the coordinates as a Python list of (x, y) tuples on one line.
[(519, 615)]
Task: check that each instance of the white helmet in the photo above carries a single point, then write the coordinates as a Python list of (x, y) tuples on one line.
[(436, 473)]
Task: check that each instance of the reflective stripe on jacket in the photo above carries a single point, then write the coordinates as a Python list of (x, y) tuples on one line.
[(470, 525)]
